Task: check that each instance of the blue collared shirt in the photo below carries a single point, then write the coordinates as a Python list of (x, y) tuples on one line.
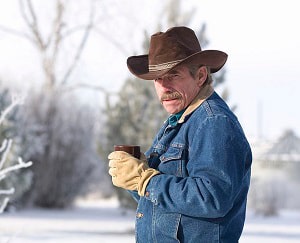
[(173, 119)]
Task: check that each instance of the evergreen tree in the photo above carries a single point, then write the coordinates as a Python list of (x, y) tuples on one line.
[(137, 114)]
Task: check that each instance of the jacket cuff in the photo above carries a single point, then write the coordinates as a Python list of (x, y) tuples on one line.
[(151, 192)]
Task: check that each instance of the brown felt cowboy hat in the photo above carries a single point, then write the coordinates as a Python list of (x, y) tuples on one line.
[(177, 45)]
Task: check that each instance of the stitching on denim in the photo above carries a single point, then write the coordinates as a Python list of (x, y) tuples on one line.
[(153, 224), (207, 108), (177, 226)]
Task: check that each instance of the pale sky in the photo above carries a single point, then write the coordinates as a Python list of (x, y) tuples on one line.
[(261, 38)]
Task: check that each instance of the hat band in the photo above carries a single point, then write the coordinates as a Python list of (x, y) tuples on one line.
[(163, 66)]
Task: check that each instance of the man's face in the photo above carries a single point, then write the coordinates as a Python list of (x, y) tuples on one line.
[(178, 88)]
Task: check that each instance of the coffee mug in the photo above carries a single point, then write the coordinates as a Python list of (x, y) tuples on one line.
[(134, 150)]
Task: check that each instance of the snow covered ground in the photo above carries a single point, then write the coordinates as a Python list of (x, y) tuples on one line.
[(105, 222)]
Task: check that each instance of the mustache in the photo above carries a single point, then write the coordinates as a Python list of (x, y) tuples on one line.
[(170, 96)]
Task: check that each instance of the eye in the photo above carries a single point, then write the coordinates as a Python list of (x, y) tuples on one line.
[(173, 76), (169, 77)]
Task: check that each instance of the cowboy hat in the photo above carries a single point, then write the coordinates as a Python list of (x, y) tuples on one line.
[(178, 45)]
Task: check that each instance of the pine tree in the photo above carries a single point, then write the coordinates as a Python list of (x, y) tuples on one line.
[(137, 114)]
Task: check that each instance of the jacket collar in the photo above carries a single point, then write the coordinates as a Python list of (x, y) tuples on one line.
[(203, 94)]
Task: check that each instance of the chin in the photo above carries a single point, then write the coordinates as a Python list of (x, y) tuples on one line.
[(172, 111)]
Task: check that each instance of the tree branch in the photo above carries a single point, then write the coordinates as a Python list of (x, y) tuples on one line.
[(4, 204), (6, 145), (15, 101), (108, 37), (81, 46), (22, 10), (16, 33), (57, 28), (89, 86), (73, 30), (21, 164), (32, 24), (8, 191)]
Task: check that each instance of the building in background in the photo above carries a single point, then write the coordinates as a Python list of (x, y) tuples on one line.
[(276, 166)]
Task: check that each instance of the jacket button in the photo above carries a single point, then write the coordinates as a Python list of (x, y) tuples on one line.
[(139, 215), (147, 194)]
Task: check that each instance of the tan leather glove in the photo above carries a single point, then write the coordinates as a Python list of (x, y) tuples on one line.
[(130, 173)]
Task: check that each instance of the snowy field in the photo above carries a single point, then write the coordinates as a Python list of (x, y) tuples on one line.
[(103, 222)]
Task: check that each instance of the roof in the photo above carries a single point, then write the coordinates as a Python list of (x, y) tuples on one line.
[(287, 149)]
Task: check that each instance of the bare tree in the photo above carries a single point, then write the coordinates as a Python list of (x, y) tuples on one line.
[(56, 130), (50, 45)]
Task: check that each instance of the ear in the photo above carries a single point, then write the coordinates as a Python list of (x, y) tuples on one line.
[(201, 75)]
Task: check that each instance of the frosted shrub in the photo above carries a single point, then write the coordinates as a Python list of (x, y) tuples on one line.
[(267, 196), (5, 149), (58, 136)]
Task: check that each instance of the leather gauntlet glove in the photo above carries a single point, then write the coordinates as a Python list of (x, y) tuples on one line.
[(130, 173)]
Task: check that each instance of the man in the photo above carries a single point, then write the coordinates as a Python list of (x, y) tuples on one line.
[(192, 184)]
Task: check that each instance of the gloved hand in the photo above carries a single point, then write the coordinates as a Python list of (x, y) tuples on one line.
[(130, 173)]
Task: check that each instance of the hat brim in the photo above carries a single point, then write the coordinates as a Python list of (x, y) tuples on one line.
[(139, 66)]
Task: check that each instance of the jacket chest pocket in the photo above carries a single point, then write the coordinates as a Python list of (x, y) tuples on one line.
[(173, 161)]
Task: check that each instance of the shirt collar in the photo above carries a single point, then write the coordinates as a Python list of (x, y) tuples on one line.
[(173, 119)]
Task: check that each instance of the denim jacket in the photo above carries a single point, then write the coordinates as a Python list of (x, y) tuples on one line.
[(200, 195)]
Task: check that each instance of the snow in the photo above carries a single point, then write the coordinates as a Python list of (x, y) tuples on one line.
[(87, 222), (284, 228), (103, 221)]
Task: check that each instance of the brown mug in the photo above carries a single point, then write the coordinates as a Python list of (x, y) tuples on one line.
[(134, 150)]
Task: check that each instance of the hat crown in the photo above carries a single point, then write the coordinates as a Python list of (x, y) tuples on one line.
[(172, 46), (176, 46)]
